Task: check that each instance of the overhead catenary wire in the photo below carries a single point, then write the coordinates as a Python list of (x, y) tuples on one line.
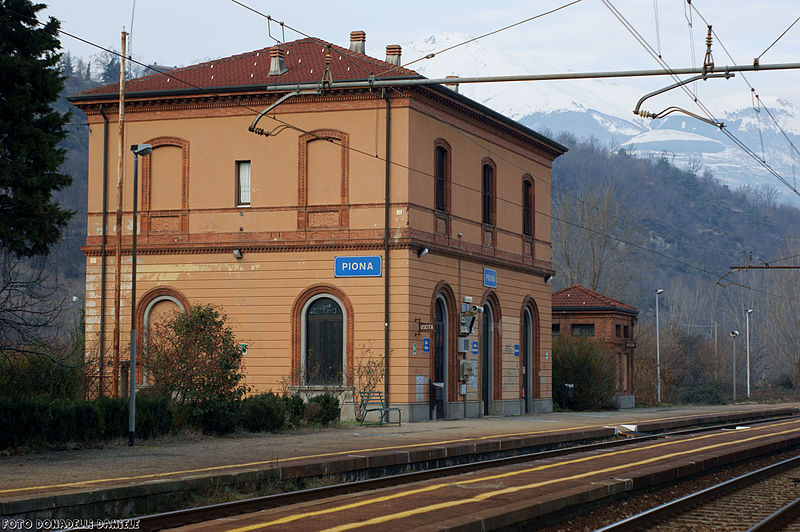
[(394, 163), (674, 74), (479, 37), (778, 39)]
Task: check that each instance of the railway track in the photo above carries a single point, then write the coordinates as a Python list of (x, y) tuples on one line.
[(206, 513), (765, 499)]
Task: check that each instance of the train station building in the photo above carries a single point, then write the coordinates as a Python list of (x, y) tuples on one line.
[(580, 311), (351, 232)]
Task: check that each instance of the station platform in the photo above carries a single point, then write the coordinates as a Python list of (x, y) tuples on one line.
[(118, 480)]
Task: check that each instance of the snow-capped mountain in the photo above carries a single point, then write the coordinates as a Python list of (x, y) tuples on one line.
[(603, 109)]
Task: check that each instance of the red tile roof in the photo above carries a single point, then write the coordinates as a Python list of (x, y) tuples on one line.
[(580, 297), (305, 60)]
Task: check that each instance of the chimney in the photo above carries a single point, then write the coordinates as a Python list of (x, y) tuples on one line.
[(453, 86), (393, 54), (277, 65), (358, 42)]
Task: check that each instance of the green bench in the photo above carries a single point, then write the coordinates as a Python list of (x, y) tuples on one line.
[(373, 402)]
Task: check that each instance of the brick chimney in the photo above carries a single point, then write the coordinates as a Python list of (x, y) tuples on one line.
[(358, 42), (277, 64), (393, 54)]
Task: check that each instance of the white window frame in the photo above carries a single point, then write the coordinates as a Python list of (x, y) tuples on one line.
[(243, 183)]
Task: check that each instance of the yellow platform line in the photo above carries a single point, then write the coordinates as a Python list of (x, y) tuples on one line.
[(425, 509), (276, 462)]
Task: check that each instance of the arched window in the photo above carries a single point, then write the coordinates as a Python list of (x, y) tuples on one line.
[(488, 207), (528, 211), (441, 168), (324, 340)]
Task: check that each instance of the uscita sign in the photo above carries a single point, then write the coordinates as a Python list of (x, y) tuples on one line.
[(358, 266)]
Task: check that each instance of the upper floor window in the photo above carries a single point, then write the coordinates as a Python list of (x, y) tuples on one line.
[(583, 329), (242, 183), (488, 207), (527, 207), (441, 156)]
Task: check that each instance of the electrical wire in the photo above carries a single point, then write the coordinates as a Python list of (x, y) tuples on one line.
[(409, 168), (738, 142), (779, 38), (753, 91), (493, 32), (403, 94)]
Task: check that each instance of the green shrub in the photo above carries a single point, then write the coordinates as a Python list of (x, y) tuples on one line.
[(700, 395), (590, 367), (113, 417), (213, 417), (322, 410), (264, 412), (295, 410), (154, 416)]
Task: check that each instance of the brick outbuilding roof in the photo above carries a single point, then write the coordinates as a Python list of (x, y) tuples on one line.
[(305, 61), (577, 297)]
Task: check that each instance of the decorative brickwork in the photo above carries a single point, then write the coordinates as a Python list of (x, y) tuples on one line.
[(308, 216), (297, 326), (176, 221)]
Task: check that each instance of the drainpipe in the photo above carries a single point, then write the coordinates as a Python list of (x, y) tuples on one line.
[(386, 248), (103, 250)]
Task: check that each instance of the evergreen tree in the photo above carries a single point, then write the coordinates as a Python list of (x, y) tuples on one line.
[(30, 218)]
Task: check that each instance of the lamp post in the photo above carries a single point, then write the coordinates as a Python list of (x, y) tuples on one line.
[(734, 334), (137, 149), (658, 353), (747, 336)]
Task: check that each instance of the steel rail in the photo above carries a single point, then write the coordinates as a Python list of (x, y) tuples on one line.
[(653, 515), (188, 516), (778, 519)]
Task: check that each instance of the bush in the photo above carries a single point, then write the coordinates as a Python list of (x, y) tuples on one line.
[(700, 395), (295, 410), (322, 410), (113, 417), (194, 358), (213, 417), (154, 416), (590, 367), (264, 412)]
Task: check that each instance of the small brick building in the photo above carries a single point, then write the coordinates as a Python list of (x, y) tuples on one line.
[(578, 311)]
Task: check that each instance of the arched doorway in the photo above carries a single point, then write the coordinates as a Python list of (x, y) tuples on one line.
[(487, 358), (527, 361), (441, 350), (324, 341)]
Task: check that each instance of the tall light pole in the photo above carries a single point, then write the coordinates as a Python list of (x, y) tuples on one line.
[(658, 353), (137, 149), (747, 332), (734, 334)]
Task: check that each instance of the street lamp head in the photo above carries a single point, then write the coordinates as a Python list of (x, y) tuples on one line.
[(734, 334), (749, 310), (659, 291), (141, 149)]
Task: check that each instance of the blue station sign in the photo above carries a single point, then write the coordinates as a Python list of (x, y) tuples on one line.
[(358, 266), (489, 278)]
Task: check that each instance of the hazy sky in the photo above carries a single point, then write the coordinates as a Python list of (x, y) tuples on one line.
[(583, 37)]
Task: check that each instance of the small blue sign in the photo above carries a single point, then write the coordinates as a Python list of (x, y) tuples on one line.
[(516, 350), (358, 266), (490, 278), (474, 347), (426, 345)]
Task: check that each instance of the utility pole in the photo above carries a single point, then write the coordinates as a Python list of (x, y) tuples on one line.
[(118, 254)]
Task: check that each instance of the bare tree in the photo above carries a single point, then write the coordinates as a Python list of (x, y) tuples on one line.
[(782, 314), (592, 230)]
